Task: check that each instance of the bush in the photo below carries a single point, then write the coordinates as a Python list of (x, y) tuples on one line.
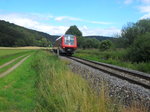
[(140, 50), (105, 45)]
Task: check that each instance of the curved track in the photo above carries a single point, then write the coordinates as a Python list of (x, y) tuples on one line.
[(132, 76)]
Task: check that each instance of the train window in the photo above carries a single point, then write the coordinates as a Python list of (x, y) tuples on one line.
[(69, 40)]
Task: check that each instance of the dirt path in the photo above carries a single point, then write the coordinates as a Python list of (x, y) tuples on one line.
[(14, 67), (1, 66)]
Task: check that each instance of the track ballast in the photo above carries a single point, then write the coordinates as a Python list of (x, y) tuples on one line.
[(132, 76)]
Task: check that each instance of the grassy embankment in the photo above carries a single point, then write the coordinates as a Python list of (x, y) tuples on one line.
[(60, 90), (43, 83), (115, 57)]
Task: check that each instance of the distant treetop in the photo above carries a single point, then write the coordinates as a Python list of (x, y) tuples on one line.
[(74, 31)]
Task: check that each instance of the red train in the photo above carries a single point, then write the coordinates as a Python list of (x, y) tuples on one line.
[(66, 44)]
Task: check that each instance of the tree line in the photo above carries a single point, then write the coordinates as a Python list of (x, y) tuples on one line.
[(134, 38)]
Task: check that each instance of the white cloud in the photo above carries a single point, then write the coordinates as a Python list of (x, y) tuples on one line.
[(67, 18), (141, 1), (146, 16), (128, 1), (98, 31), (31, 23), (61, 18), (98, 22), (144, 9), (145, 1)]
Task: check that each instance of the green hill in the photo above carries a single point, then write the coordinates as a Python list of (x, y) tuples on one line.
[(14, 35)]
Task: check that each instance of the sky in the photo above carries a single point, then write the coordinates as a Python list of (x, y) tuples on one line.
[(92, 17)]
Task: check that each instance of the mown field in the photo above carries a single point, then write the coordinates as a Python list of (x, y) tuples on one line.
[(115, 57), (43, 83)]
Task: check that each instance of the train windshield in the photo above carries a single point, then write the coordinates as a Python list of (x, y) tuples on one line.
[(69, 40)]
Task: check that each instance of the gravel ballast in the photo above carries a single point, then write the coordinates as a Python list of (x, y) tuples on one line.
[(123, 91)]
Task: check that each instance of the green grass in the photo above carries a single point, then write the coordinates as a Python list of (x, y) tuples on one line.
[(10, 65), (7, 55), (115, 57), (17, 90), (62, 91), (5, 52), (43, 83)]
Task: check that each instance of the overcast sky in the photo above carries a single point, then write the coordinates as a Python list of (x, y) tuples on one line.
[(92, 17)]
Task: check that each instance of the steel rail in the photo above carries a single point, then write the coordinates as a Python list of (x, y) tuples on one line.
[(132, 76)]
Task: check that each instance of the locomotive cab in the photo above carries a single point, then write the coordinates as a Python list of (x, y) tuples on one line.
[(69, 44), (66, 44)]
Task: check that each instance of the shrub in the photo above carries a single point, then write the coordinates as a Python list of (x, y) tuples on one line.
[(105, 45), (140, 50)]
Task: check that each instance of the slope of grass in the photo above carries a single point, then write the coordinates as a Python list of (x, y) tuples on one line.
[(17, 90), (62, 91)]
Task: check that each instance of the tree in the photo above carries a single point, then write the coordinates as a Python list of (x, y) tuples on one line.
[(105, 45), (84, 42), (133, 30), (74, 31), (140, 50)]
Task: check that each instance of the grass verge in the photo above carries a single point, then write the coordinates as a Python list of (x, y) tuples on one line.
[(60, 90)]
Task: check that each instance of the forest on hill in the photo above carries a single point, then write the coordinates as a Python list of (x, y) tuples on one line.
[(14, 35)]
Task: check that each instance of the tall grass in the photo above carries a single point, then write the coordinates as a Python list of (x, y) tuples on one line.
[(60, 90)]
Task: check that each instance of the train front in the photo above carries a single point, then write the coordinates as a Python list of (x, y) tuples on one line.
[(69, 44)]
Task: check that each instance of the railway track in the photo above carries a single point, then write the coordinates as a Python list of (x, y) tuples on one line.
[(132, 76)]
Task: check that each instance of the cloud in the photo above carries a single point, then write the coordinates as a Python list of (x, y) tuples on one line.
[(98, 22), (61, 18), (32, 23), (132, 1), (146, 16), (144, 9), (145, 1), (99, 31), (128, 1), (67, 18)]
